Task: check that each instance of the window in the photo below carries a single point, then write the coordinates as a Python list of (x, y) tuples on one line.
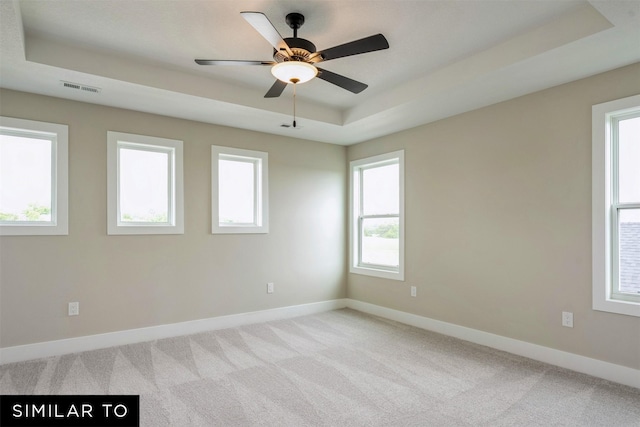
[(145, 190), (377, 216), (239, 187), (33, 178), (616, 206)]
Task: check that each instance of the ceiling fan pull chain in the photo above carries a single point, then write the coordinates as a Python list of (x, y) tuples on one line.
[(294, 105)]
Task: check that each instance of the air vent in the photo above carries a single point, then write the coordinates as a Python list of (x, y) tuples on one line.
[(78, 86)]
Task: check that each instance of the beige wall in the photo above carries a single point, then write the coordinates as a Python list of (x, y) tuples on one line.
[(498, 221), (498, 213), (125, 282)]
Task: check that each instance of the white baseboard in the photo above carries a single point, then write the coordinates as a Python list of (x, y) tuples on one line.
[(597, 368), (93, 342)]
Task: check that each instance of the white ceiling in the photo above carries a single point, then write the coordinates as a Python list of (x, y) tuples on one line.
[(445, 57)]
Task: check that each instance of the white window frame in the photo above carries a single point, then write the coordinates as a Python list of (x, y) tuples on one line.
[(175, 221), (59, 136), (261, 197), (355, 173), (605, 206)]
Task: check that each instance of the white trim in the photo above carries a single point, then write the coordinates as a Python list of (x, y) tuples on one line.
[(174, 147), (597, 368), (601, 202), (59, 134), (261, 214), (355, 166), (132, 336)]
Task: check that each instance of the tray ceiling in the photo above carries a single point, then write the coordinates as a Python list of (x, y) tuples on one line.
[(445, 57)]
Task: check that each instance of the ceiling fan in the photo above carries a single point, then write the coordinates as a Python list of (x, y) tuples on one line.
[(294, 58)]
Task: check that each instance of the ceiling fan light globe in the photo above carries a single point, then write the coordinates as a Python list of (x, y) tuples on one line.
[(294, 72)]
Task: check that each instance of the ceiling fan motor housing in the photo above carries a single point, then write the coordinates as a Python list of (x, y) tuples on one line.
[(301, 49)]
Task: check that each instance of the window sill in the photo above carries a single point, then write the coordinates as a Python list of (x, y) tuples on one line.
[(123, 230), (384, 274), (240, 230), (48, 229), (616, 306)]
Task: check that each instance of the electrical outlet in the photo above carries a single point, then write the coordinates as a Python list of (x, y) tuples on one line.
[(414, 291), (74, 308), (567, 319), (270, 287)]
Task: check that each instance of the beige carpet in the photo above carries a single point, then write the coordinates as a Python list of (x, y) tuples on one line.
[(340, 368)]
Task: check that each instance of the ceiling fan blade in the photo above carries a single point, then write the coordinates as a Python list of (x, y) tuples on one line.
[(261, 23), (342, 81), (231, 62), (276, 90), (367, 44)]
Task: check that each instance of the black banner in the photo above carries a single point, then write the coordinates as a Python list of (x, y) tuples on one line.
[(70, 410)]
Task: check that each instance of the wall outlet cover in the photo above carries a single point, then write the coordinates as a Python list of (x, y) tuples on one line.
[(567, 319), (74, 308)]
